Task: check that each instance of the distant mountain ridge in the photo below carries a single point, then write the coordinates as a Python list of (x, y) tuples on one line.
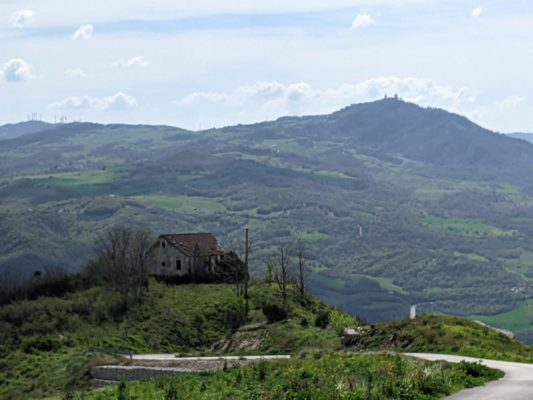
[(390, 126), (528, 137), (10, 131)]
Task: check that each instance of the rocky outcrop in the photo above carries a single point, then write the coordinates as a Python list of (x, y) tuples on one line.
[(351, 336)]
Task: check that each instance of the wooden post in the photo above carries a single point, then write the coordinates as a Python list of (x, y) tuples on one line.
[(247, 275)]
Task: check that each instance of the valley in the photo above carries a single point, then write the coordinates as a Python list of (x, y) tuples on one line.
[(397, 204)]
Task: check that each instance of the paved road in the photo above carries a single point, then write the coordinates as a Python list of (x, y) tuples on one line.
[(172, 357), (516, 385)]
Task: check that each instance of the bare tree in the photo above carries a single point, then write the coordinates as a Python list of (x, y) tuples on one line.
[(242, 275), (123, 261), (270, 272), (195, 262), (282, 274), (141, 257), (301, 258)]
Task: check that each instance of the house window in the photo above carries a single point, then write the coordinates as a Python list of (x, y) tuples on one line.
[(178, 265), (163, 264)]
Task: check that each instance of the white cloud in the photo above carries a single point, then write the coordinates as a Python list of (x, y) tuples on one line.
[(76, 103), (17, 70), (511, 102), (138, 61), (241, 95), (117, 102), (478, 11), (277, 99), (75, 73), (505, 114), (84, 32), (363, 21), (21, 18)]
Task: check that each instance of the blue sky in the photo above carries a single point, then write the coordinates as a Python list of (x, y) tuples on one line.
[(213, 63)]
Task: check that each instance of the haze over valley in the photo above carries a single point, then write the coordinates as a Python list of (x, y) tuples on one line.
[(398, 204)]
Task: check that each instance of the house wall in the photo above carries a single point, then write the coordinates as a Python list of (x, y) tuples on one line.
[(165, 260)]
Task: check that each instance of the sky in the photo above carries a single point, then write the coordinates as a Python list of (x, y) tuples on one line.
[(206, 63)]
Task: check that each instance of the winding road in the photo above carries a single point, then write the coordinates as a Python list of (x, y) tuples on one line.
[(517, 384)]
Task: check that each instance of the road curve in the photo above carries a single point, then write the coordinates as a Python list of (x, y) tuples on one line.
[(517, 384)]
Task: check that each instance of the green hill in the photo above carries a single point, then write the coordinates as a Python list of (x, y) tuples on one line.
[(446, 335), (397, 204), (44, 345)]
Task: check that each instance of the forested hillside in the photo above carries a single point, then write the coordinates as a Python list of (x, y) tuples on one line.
[(396, 204)]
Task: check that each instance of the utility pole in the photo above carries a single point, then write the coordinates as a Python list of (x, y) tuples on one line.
[(246, 271)]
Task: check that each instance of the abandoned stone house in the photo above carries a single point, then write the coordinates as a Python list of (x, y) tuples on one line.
[(186, 254)]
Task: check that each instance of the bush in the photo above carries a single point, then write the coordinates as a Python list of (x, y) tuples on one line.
[(322, 319), (45, 343), (121, 395), (172, 393), (262, 370), (340, 320), (274, 313)]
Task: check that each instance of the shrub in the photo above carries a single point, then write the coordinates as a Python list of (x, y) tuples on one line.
[(44, 343), (322, 319), (172, 393), (235, 317), (274, 313), (262, 369), (340, 320), (122, 391)]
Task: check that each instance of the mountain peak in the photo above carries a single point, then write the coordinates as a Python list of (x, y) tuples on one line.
[(398, 127)]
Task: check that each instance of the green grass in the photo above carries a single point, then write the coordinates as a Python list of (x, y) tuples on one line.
[(315, 377), (182, 204), (72, 179), (285, 145), (522, 265), (44, 343), (446, 335), (311, 236), (335, 174), (510, 189), (38, 339), (470, 256), (517, 320), (388, 284), (465, 227)]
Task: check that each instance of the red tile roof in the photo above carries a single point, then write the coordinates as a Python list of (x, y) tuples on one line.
[(186, 243)]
